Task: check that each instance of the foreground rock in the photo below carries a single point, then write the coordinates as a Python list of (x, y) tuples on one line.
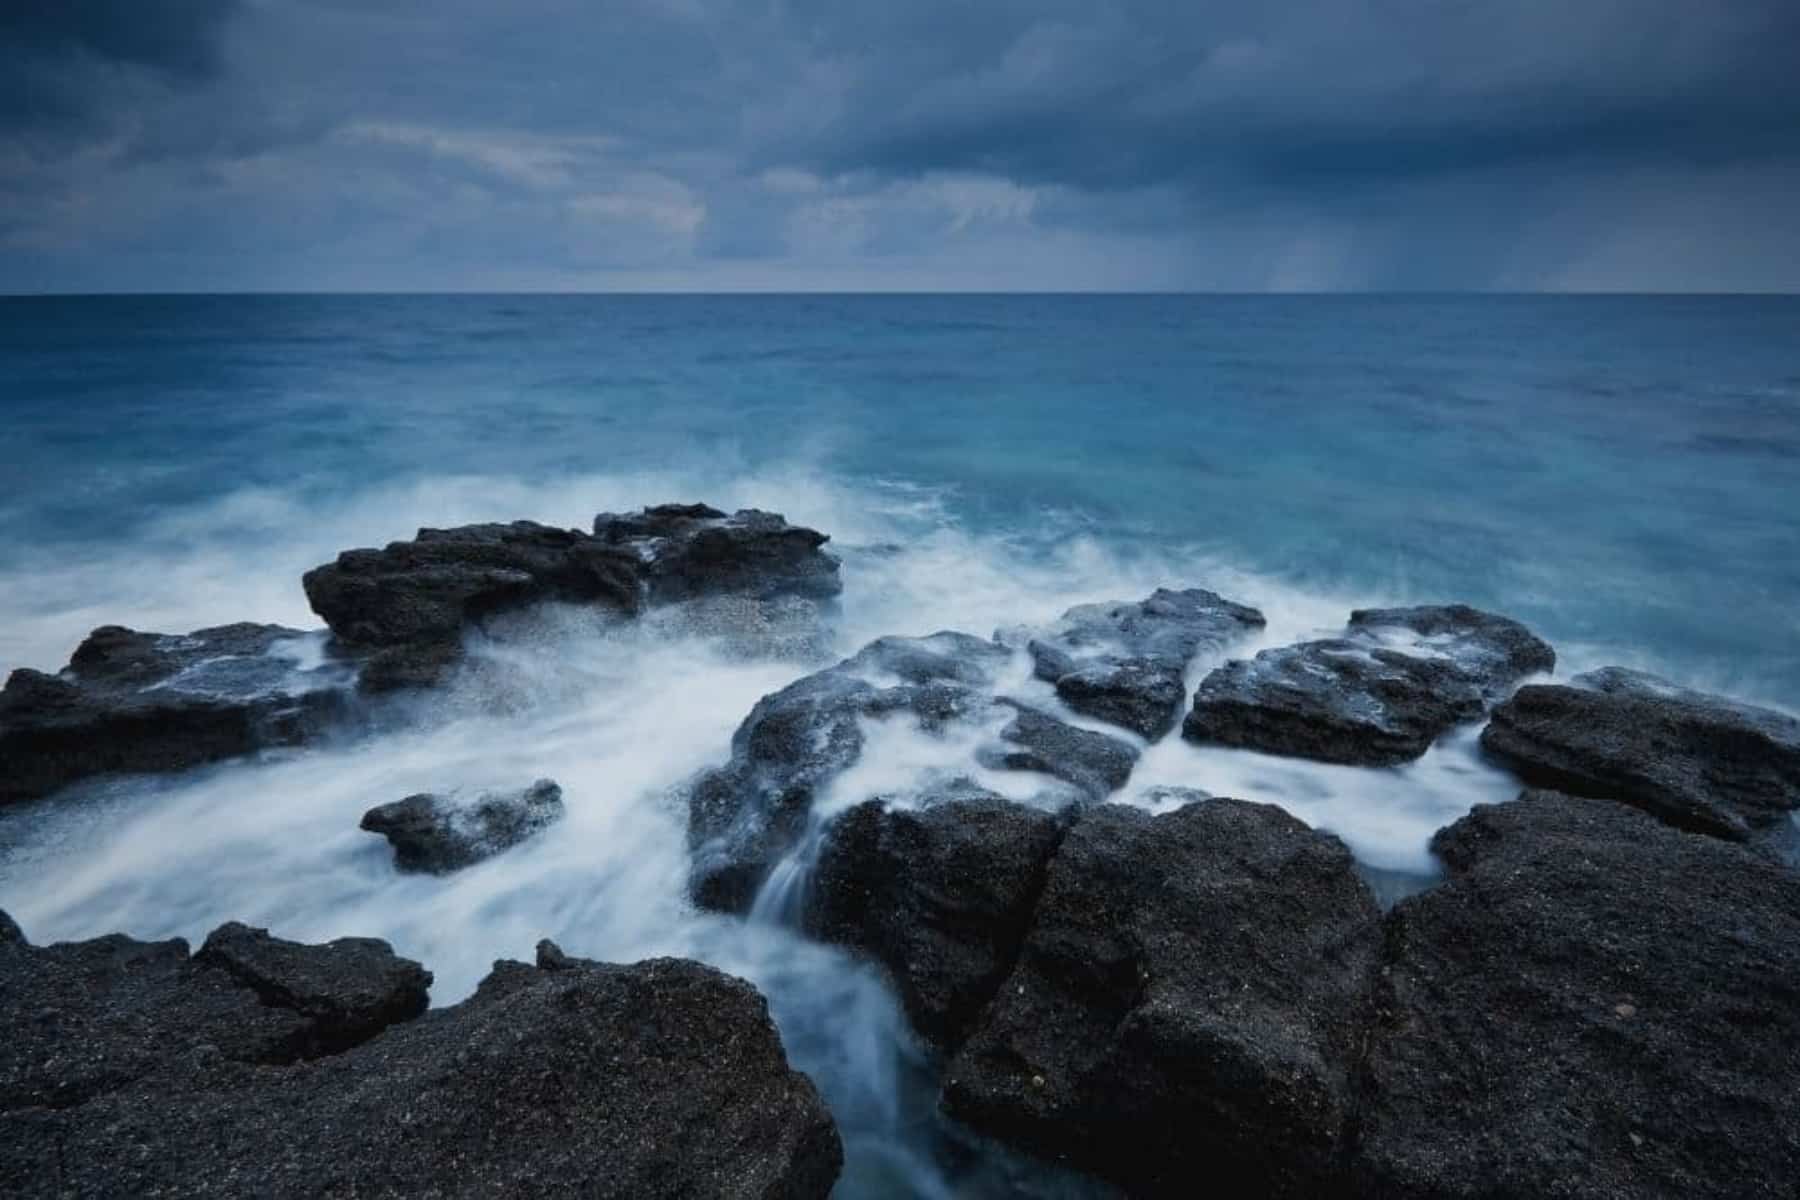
[(940, 896), (152, 702), (436, 834), (1185, 1007), (661, 1079), (1595, 1005), (1697, 761), (403, 609), (746, 815), (84, 1019), (1124, 663), (1398, 680)]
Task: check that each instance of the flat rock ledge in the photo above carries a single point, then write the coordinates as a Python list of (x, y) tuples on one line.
[(129, 1068), (1698, 761), (1380, 695)]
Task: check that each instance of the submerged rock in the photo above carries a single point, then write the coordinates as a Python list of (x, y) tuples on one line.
[(1697, 761), (436, 834), (133, 702), (1399, 680), (745, 816), (661, 1079), (1124, 662), (940, 896), (404, 608), (1594, 1005), (1185, 1005)]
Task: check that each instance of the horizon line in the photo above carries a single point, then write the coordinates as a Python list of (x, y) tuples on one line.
[(146, 293)]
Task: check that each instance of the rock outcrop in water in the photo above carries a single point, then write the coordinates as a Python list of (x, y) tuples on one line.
[(1697, 761), (403, 609), (1124, 662), (130, 1069), (437, 834), (1185, 1005), (1399, 680), (744, 816), (1594, 1005), (153, 702), (939, 895)]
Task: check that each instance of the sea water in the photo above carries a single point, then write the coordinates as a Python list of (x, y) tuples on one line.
[(1621, 473)]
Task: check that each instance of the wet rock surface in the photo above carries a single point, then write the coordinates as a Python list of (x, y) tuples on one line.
[(1185, 1005), (665, 1078), (1594, 1005), (1124, 662), (403, 609), (133, 702), (438, 834), (1377, 697), (745, 816), (1698, 761), (939, 895)]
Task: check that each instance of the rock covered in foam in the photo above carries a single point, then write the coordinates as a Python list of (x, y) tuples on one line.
[(1698, 761), (1594, 1005), (133, 702), (1185, 1005), (1124, 662), (940, 895), (1381, 695), (744, 816), (661, 1079), (404, 608), (437, 834)]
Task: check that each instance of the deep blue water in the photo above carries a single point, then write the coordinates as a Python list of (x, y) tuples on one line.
[(1620, 471)]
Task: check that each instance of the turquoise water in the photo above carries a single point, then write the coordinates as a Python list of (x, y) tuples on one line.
[(1622, 473)]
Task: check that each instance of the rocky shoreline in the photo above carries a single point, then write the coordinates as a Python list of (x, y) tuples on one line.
[(1600, 998)]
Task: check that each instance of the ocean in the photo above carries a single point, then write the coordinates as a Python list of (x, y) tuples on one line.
[(1621, 473)]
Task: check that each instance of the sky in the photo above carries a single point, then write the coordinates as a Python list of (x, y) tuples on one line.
[(994, 145)]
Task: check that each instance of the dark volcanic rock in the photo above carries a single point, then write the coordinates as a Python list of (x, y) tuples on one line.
[(745, 816), (1401, 679), (690, 550), (149, 702), (1124, 662), (1594, 1005), (939, 895), (662, 1079), (82, 1019), (404, 608), (437, 834), (1698, 761), (1095, 763), (9, 930), (1185, 1007)]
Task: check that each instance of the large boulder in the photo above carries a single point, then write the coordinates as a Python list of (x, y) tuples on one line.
[(84, 1019), (746, 815), (1595, 1005), (1698, 761), (661, 1079), (151, 702), (1397, 681), (438, 834), (403, 609), (939, 895), (1186, 1004), (1124, 662)]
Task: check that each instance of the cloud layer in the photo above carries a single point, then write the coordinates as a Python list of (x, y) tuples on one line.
[(1297, 144)]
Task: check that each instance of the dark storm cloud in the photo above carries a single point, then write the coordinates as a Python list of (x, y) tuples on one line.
[(797, 143), (63, 62)]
